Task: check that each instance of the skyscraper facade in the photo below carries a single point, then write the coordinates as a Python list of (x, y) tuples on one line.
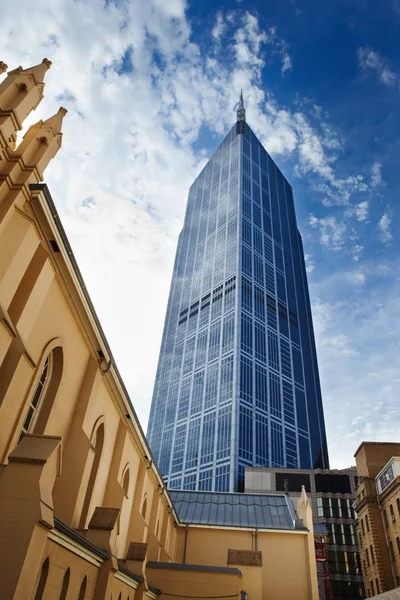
[(237, 382)]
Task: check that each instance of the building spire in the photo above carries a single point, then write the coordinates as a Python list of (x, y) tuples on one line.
[(241, 111), (241, 116)]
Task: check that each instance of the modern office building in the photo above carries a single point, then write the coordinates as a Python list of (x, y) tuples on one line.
[(331, 494), (237, 381)]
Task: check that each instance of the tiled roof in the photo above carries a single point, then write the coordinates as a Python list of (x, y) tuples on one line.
[(235, 510)]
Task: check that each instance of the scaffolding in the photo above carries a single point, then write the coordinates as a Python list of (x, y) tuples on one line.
[(324, 577)]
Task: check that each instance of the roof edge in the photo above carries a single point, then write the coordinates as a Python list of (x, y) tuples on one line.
[(57, 224), (186, 567)]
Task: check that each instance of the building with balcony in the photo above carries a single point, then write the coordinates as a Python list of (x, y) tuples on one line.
[(377, 508)]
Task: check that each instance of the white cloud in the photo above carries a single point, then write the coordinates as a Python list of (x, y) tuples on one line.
[(358, 277), (251, 43), (356, 252), (382, 270), (362, 211), (310, 264), (219, 27), (311, 150), (388, 77), (331, 231), (286, 64), (384, 229), (249, 40), (371, 59), (356, 342), (376, 175)]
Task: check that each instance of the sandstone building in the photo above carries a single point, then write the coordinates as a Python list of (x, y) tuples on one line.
[(84, 513), (378, 515)]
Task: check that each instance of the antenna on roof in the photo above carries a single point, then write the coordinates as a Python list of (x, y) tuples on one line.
[(241, 116)]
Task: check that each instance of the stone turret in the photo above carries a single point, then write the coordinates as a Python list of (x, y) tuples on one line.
[(20, 93)]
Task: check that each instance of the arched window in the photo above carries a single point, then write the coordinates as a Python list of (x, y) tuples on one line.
[(144, 508), (36, 397), (157, 527), (82, 591), (97, 445), (42, 580), (125, 482), (44, 393), (125, 487), (65, 584)]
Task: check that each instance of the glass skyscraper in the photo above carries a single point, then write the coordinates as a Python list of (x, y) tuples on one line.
[(237, 381)]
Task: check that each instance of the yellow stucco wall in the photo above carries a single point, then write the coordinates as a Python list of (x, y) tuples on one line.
[(196, 583), (207, 545)]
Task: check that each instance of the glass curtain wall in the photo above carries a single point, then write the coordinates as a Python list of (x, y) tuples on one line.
[(237, 381)]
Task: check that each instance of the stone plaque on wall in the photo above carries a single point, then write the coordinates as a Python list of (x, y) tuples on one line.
[(250, 558)]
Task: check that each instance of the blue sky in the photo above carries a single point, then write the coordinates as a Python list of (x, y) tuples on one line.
[(151, 90)]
